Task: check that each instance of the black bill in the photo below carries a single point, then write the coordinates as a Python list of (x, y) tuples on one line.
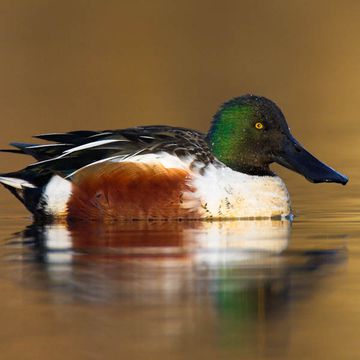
[(294, 157)]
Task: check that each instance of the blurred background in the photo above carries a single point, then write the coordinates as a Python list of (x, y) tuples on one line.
[(88, 64), (102, 64)]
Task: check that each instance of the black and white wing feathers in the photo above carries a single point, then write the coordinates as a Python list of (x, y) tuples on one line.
[(69, 152)]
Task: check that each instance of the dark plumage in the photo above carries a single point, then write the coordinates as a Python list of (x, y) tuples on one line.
[(60, 157)]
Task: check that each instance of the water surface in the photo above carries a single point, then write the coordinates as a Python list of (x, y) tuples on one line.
[(179, 290)]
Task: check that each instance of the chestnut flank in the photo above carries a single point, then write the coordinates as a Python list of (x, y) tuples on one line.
[(129, 191)]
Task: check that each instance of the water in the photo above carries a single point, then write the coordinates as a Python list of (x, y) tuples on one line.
[(183, 290)]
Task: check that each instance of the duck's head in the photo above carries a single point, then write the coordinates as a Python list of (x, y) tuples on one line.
[(250, 132)]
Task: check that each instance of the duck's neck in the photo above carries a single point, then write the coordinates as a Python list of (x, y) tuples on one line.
[(252, 170)]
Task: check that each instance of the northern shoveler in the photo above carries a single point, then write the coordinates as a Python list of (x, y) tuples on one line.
[(164, 172)]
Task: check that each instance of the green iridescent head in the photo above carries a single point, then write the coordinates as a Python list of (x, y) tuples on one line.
[(250, 132)]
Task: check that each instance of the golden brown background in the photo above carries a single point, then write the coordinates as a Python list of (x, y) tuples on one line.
[(68, 65)]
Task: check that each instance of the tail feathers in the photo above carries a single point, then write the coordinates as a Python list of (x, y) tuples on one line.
[(16, 183), (12, 151), (20, 148), (23, 190), (21, 145), (38, 151)]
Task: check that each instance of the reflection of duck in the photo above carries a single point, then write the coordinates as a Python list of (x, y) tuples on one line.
[(237, 241), (179, 279), (168, 242), (166, 257), (159, 172)]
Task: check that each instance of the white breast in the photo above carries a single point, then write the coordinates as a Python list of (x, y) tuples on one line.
[(225, 193)]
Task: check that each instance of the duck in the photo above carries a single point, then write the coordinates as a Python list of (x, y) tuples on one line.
[(168, 173)]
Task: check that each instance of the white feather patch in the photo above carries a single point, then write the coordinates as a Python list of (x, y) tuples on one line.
[(56, 196), (16, 183), (93, 163), (165, 159), (225, 193), (91, 145), (77, 148), (45, 145)]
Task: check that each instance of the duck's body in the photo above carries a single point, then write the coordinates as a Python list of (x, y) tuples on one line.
[(162, 172)]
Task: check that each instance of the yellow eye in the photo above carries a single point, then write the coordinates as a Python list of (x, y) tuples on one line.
[(259, 125)]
